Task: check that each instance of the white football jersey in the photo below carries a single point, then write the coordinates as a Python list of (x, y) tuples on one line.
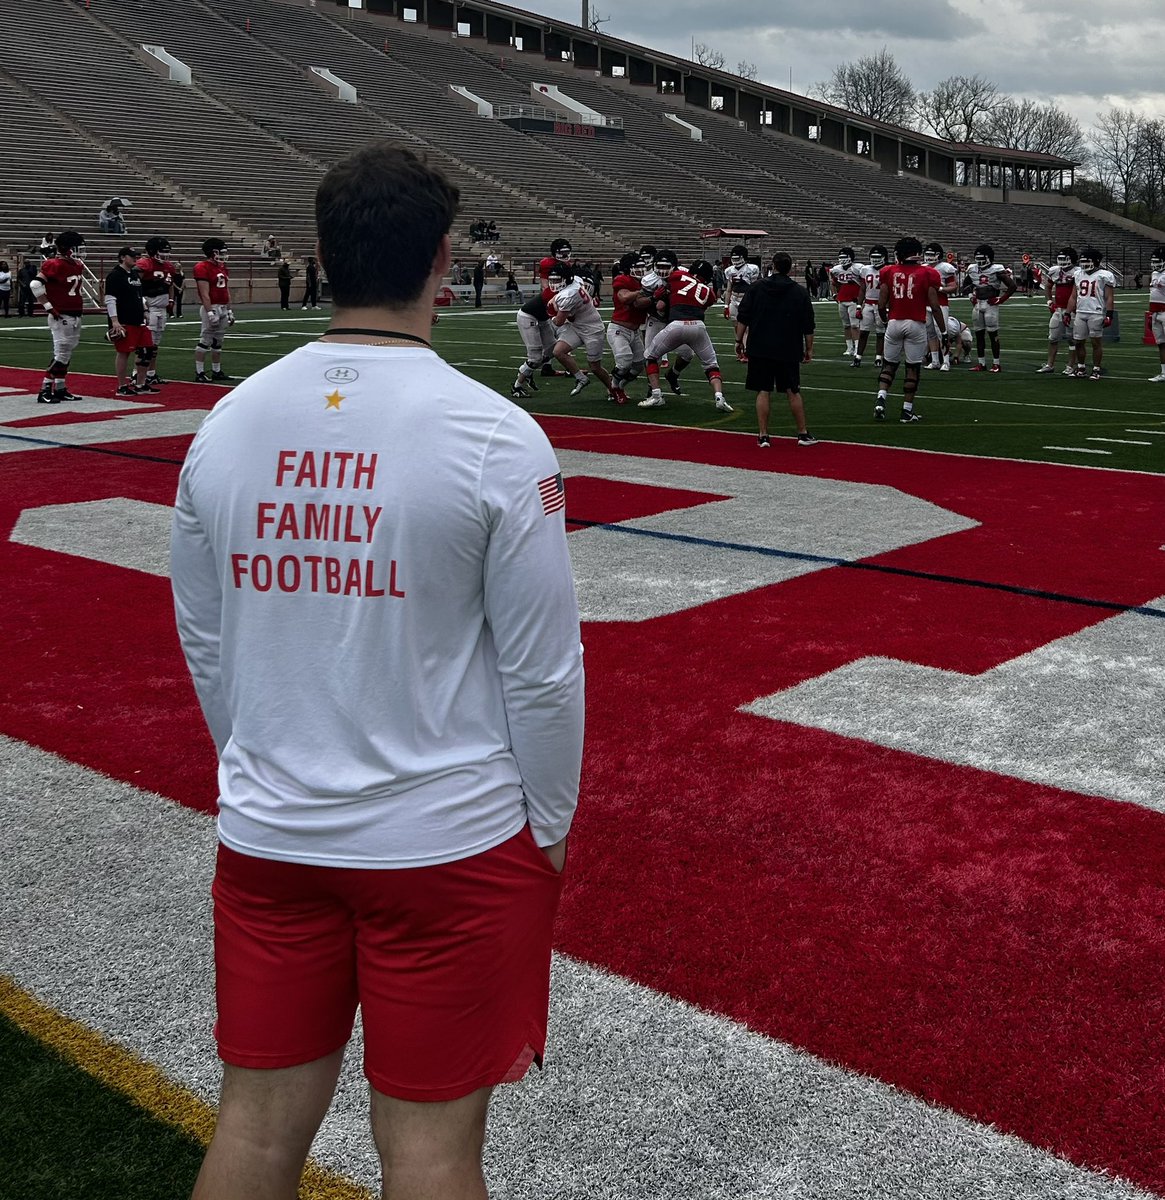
[(740, 279), (1091, 289), (871, 281), (947, 272), (1157, 288), (988, 281), (846, 275)]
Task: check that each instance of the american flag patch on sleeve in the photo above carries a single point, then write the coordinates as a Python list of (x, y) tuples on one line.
[(552, 493)]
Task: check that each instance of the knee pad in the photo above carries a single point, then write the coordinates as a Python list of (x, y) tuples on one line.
[(201, 345)]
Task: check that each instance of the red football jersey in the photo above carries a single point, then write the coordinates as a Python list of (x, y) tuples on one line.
[(623, 315), (217, 275), (909, 284), (62, 278), (155, 276), (688, 298)]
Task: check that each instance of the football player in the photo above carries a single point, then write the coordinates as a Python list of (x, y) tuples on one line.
[(1059, 284), (684, 297), (560, 252), (739, 276), (871, 320), (662, 263), (1157, 307), (125, 306), (960, 337), (908, 291), (933, 256), (57, 286), (624, 330), (992, 285), (1091, 306), (846, 286), (576, 319), (212, 279), (538, 337), (156, 273)]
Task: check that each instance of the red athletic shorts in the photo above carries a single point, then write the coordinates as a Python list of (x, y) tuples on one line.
[(137, 337), (449, 964)]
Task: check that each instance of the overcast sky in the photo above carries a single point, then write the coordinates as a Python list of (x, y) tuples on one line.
[(1083, 55)]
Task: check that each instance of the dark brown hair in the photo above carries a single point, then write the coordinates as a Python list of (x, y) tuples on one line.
[(381, 215)]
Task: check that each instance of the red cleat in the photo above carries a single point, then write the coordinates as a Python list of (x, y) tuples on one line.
[(978, 367), (618, 395)]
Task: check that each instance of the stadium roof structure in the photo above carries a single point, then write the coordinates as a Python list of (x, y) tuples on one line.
[(693, 86)]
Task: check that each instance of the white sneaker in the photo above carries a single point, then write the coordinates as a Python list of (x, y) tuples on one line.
[(1069, 371), (945, 367), (1046, 369), (653, 402), (579, 385), (1157, 378), (722, 405), (929, 367)]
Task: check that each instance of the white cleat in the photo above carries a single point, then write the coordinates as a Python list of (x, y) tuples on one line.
[(653, 402), (1157, 378), (945, 367), (579, 385), (722, 405)]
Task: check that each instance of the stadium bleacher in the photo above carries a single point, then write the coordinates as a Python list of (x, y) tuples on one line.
[(239, 153)]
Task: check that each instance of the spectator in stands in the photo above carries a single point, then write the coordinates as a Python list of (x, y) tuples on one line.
[(311, 283), (492, 233), (493, 264), (272, 249), (283, 275), (776, 318), (513, 292), (5, 287), (477, 231), (463, 685), (478, 281), (178, 279), (109, 219), (24, 278)]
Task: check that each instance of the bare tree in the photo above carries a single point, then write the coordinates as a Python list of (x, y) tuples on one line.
[(746, 70), (1027, 125), (1150, 184), (958, 107), (874, 86), (706, 56), (1117, 142)]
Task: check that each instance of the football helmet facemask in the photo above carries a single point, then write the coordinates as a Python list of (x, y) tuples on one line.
[(558, 277), (1066, 258), (69, 243), (1089, 259), (738, 256), (878, 256), (984, 255), (932, 254), (665, 262), (845, 256), (560, 248), (1157, 259), (630, 264)]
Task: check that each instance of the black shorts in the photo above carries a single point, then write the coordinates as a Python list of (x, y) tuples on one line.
[(772, 375)]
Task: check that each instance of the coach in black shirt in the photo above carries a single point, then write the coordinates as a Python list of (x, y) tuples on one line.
[(776, 318)]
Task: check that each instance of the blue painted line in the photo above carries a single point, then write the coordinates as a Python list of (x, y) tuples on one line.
[(1146, 610)]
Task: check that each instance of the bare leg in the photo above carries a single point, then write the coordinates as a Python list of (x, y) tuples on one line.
[(266, 1122), (797, 408), (431, 1151), (762, 413)]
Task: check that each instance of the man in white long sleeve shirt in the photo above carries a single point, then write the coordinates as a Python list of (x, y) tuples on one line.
[(374, 597)]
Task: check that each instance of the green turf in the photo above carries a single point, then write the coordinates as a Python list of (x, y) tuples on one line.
[(1016, 414), (64, 1135)]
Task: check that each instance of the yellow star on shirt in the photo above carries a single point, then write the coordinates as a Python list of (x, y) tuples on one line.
[(334, 399)]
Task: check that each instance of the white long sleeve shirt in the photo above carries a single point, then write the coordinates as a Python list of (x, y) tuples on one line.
[(374, 596)]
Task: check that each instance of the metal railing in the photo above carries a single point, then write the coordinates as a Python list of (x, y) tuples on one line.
[(538, 113)]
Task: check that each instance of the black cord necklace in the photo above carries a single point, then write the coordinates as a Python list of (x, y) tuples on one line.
[(395, 338)]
